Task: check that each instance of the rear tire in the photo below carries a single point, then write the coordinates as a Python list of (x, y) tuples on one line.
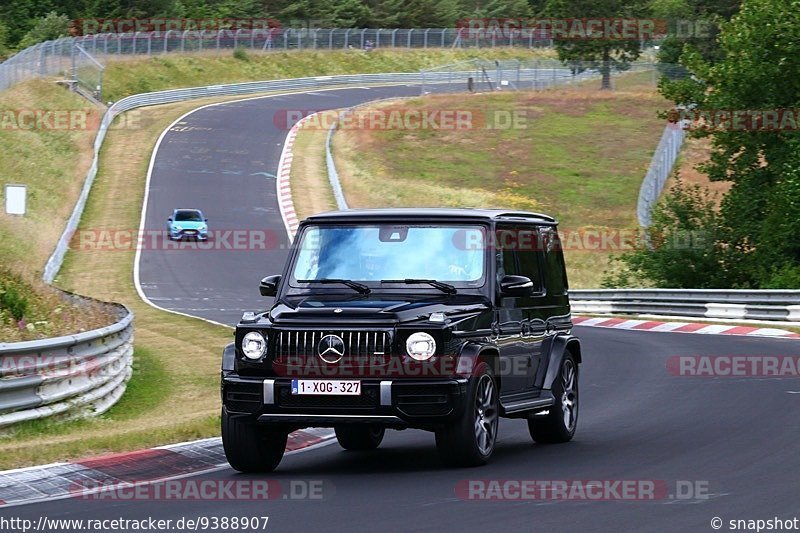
[(470, 440), (360, 437), (560, 423), (251, 447)]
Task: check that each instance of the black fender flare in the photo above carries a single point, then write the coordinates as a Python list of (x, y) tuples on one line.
[(474, 352), (228, 357), (560, 344)]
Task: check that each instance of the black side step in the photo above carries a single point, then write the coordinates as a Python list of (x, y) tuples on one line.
[(520, 406)]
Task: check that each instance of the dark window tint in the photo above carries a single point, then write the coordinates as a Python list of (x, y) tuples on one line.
[(528, 253), (188, 216), (504, 253), (555, 271)]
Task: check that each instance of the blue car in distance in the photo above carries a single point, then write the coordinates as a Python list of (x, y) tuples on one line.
[(187, 224)]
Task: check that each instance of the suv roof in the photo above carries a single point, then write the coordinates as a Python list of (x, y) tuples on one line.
[(424, 213)]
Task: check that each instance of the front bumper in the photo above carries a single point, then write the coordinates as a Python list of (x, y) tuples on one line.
[(189, 234), (391, 403)]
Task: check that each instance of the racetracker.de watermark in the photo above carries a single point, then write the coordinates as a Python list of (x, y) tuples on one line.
[(226, 240), (213, 490), (734, 366), (31, 119), (230, 240), (401, 118), (576, 29), (156, 26), (699, 119), (580, 490)]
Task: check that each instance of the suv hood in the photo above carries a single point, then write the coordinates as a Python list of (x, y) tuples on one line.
[(386, 309)]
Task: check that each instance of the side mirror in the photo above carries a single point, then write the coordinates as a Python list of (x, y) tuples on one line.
[(205, 220), (169, 219), (269, 285), (516, 286)]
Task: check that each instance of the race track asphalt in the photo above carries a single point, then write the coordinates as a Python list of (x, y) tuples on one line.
[(732, 439), (223, 159)]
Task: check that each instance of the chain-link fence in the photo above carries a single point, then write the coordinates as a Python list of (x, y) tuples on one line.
[(51, 58), (55, 58), (536, 74), (149, 43), (87, 73)]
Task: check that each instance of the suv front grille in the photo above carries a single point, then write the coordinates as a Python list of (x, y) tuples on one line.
[(359, 345)]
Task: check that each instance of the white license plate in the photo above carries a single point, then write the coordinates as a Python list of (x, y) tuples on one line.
[(333, 387)]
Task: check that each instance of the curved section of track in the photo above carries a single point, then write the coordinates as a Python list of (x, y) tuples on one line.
[(223, 159), (734, 438)]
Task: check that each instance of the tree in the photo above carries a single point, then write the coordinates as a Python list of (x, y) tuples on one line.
[(760, 71), (504, 9), (693, 22), (680, 248), (605, 52), (350, 14), (3, 42), (51, 26)]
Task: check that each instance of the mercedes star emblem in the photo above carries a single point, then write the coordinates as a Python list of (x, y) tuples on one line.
[(331, 348)]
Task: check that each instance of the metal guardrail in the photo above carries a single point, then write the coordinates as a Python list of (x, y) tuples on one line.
[(333, 175), (72, 375), (770, 305)]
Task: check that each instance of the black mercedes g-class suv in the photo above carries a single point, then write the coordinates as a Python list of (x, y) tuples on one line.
[(437, 319)]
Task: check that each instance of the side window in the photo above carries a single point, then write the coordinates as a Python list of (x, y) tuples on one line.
[(528, 251), (555, 270), (504, 253)]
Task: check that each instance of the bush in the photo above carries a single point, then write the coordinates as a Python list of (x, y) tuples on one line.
[(12, 299), (240, 53), (681, 247), (50, 27)]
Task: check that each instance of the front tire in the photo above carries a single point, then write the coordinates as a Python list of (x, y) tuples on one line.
[(470, 440), (251, 447), (359, 437), (560, 423)]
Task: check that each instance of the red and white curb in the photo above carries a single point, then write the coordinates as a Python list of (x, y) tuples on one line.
[(285, 203), (66, 480), (682, 327)]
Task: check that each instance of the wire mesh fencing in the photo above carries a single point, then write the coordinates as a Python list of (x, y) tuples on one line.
[(535, 74), (55, 58)]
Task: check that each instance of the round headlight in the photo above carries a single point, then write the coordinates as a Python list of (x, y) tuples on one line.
[(420, 346), (254, 345)]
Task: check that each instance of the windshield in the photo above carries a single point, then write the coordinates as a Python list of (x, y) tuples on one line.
[(188, 216), (451, 254)]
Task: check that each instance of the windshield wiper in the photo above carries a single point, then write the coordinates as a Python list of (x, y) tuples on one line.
[(444, 287), (358, 287)]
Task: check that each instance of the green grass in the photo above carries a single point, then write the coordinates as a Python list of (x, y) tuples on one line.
[(130, 76), (52, 163), (581, 157)]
